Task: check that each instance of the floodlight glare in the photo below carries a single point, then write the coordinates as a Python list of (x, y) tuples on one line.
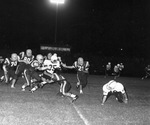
[(57, 1)]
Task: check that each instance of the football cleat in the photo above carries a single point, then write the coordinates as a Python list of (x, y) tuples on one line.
[(31, 91), (12, 86), (81, 92), (102, 103), (125, 101), (34, 89), (77, 85), (1, 78), (23, 89), (75, 98)]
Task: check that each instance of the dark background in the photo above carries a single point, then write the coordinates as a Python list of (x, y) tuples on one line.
[(93, 28)]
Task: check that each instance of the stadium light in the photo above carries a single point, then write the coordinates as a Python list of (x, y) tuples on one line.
[(57, 2)]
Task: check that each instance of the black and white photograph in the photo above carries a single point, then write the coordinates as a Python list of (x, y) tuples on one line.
[(75, 62)]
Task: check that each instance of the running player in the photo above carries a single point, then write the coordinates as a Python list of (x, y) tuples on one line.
[(108, 69), (82, 68), (147, 72)]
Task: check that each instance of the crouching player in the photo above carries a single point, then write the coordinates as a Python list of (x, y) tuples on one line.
[(114, 88), (9, 67)]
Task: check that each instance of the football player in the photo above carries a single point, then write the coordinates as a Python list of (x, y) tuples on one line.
[(121, 67), (49, 55), (30, 72), (25, 60), (82, 68), (115, 88), (147, 72), (116, 72), (9, 67), (108, 69)]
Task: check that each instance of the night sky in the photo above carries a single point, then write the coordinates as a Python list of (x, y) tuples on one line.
[(104, 27)]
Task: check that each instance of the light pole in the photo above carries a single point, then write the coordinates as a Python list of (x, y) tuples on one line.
[(57, 2)]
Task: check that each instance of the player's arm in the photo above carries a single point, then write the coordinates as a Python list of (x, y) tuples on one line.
[(105, 93), (21, 56), (6, 63), (104, 99), (43, 68), (31, 59), (125, 97), (69, 67), (87, 65)]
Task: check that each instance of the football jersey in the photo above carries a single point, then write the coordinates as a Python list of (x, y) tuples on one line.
[(147, 68), (83, 67), (116, 69), (113, 86), (51, 66), (26, 59), (10, 64)]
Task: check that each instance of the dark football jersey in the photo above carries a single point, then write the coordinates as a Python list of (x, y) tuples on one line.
[(10, 64), (26, 59), (83, 67)]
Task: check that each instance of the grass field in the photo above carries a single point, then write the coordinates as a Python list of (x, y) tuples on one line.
[(45, 107)]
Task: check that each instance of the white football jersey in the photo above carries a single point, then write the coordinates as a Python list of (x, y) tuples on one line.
[(51, 66), (113, 86)]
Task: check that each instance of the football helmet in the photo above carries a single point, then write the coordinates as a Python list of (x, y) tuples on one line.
[(80, 60), (29, 52), (14, 57), (54, 57), (49, 55), (112, 84), (40, 58), (109, 63)]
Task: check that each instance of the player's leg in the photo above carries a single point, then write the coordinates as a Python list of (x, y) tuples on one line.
[(14, 80), (79, 83), (27, 76), (104, 98), (118, 96), (116, 75), (125, 97), (19, 70), (6, 76), (2, 78), (121, 97), (106, 73), (40, 81), (83, 81), (65, 90), (12, 77)]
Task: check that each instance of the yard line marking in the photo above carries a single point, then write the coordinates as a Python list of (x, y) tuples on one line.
[(80, 114)]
